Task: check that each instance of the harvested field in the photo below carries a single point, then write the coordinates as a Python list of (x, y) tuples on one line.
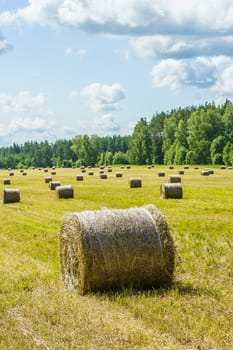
[(195, 313)]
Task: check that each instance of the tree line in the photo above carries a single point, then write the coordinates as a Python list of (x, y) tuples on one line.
[(192, 135)]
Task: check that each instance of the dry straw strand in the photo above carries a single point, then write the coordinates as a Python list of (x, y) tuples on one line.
[(108, 249)]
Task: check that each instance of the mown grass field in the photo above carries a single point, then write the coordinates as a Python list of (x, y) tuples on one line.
[(196, 313)]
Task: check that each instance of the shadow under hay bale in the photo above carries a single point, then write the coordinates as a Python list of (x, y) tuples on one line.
[(135, 182), (108, 249), (171, 190), (11, 195), (54, 184), (65, 191), (6, 181), (174, 178)]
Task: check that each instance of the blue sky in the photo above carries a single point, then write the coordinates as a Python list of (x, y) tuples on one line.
[(71, 67)]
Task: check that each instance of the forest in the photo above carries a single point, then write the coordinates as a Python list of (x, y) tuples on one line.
[(191, 135)]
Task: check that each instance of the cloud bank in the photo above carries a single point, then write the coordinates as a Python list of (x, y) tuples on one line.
[(185, 40)]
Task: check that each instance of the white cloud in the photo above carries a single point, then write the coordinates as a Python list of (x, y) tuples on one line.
[(69, 52), (141, 17), (23, 102), (4, 46), (200, 72), (103, 98), (74, 93), (106, 125)]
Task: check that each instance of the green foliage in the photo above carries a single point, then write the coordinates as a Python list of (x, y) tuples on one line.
[(140, 144)]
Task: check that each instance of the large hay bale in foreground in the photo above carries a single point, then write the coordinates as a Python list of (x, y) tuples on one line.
[(135, 182), (65, 191), (11, 195), (171, 190), (108, 249)]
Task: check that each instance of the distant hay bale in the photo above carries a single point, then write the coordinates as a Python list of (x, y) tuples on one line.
[(229, 168), (222, 167), (91, 173), (135, 182), (48, 179), (53, 167), (109, 170), (103, 176), (65, 191), (108, 249), (171, 167), (83, 170), (122, 167), (11, 173), (171, 190), (79, 177), (128, 167), (102, 167), (53, 172), (82, 167), (174, 178), (205, 172), (6, 181), (54, 184), (161, 173), (24, 173), (118, 174), (101, 171), (21, 170), (46, 170), (11, 195), (149, 167), (181, 172), (186, 166), (211, 171), (196, 168)]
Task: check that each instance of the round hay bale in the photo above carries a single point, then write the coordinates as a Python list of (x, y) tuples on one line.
[(122, 167), (103, 176), (135, 182), (128, 167), (205, 172), (91, 173), (11, 173), (149, 167), (11, 195), (222, 167), (6, 181), (171, 190), (109, 170), (53, 172), (101, 171), (48, 179), (102, 167), (46, 170), (65, 191), (118, 174), (186, 166), (171, 167), (54, 184), (229, 168), (196, 168), (108, 249), (79, 177), (161, 173), (181, 172), (174, 178), (83, 170), (24, 173)]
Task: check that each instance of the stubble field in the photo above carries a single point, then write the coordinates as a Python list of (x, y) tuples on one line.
[(36, 312)]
